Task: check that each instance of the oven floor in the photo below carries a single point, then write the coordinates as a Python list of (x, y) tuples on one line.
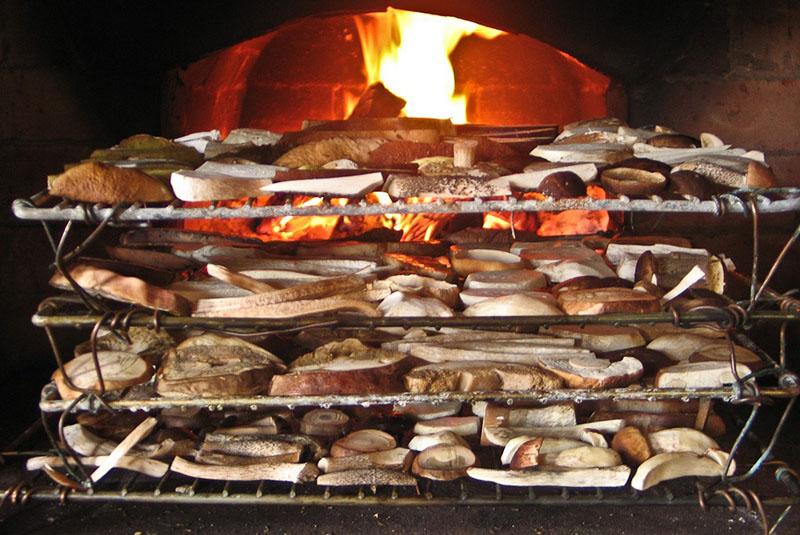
[(47, 519)]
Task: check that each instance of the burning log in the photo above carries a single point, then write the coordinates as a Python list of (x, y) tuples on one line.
[(377, 101)]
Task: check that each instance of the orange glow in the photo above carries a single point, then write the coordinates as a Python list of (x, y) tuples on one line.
[(410, 53)]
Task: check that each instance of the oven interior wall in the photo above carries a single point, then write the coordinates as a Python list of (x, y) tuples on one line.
[(68, 87)]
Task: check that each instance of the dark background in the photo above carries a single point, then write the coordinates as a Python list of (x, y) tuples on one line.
[(79, 75)]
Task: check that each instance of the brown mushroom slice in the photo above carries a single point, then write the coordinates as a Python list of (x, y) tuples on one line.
[(363, 441), (443, 462), (680, 346), (324, 423), (667, 466), (444, 438), (722, 352), (394, 459), (632, 445), (460, 425), (119, 369), (616, 476), (681, 439), (526, 454), (636, 176)]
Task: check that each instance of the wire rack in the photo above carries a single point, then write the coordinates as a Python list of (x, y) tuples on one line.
[(771, 382), (42, 207)]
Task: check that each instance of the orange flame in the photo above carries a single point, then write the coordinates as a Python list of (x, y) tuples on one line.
[(409, 53)]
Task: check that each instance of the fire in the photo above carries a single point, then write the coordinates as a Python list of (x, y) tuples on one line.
[(409, 53)]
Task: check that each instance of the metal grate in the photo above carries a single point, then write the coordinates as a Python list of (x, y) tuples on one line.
[(40, 208)]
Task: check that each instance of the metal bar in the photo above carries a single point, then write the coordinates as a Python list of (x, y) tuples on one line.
[(366, 400), (48, 319), (788, 201), (381, 499)]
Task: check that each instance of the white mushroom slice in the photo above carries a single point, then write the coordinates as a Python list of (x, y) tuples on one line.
[(393, 459), (445, 438), (558, 415), (680, 346), (517, 280), (363, 441), (403, 304), (523, 354), (292, 472), (514, 305), (681, 439), (699, 375), (466, 261), (581, 457), (666, 466), (589, 433), (148, 467), (443, 462), (422, 286), (616, 476), (599, 338), (722, 352), (708, 141), (428, 411), (460, 425), (569, 269)]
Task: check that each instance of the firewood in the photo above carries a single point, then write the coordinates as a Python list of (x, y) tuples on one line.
[(377, 101)]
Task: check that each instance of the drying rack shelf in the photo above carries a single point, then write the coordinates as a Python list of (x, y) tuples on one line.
[(51, 404), (42, 207)]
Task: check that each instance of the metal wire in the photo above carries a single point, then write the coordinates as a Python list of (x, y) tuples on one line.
[(775, 265)]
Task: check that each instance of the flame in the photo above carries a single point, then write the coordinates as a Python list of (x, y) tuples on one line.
[(409, 53)]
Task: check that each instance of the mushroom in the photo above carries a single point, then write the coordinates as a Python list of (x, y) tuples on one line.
[(666, 466), (394, 459), (681, 439), (443, 462), (324, 423), (460, 425), (632, 445), (446, 438), (580, 457), (363, 441), (616, 476)]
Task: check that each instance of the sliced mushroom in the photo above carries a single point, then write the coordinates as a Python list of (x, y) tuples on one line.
[(445, 438), (666, 466), (324, 423), (369, 476), (581, 457), (428, 411), (589, 433), (526, 453), (363, 441), (616, 476), (292, 472), (681, 439), (443, 462), (394, 459), (632, 445), (460, 425)]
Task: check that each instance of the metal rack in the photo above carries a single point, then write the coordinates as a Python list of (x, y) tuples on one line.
[(772, 382), (41, 207)]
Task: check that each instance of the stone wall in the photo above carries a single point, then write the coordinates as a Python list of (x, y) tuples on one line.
[(738, 77)]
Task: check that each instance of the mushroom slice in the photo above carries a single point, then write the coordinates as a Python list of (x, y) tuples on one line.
[(527, 454), (589, 433), (428, 411), (549, 445), (632, 445), (616, 476), (582, 457), (460, 425), (324, 423), (363, 441), (666, 466), (681, 439), (369, 476), (292, 472), (394, 459), (443, 462), (445, 438)]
